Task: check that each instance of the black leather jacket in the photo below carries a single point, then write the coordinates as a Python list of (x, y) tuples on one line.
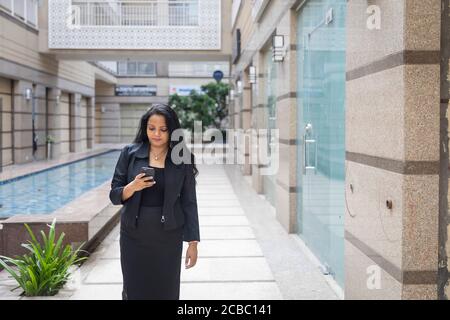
[(180, 199)]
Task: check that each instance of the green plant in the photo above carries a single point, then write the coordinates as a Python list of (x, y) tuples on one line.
[(50, 139), (46, 269), (208, 107)]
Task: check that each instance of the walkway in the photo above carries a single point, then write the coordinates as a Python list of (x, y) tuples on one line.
[(244, 252)]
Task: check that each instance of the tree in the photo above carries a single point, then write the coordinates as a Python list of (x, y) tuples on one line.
[(209, 107)]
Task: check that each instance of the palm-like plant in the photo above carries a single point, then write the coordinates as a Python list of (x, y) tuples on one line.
[(46, 269)]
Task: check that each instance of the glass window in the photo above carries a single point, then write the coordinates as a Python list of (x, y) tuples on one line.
[(19, 8), (6, 4), (183, 13), (147, 68), (32, 12), (131, 68), (134, 68), (122, 67)]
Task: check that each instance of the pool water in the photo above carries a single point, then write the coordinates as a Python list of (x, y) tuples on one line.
[(46, 191)]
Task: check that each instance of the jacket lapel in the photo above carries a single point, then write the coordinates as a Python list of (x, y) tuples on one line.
[(173, 177)]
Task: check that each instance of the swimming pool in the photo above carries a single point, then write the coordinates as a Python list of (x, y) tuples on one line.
[(46, 191)]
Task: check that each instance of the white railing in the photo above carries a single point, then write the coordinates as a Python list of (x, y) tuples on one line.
[(136, 13), (24, 10)]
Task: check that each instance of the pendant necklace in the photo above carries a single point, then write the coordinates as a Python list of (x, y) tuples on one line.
[(156, 157)]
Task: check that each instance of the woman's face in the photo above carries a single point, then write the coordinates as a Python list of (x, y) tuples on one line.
[(157, 131)]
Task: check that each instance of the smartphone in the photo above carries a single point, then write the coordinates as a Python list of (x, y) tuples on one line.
[(149, 172)]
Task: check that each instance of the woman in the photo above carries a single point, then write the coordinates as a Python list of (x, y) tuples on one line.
[(159, 212)]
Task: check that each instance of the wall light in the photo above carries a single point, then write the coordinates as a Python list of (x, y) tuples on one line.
[(28, 94), (232, 93), (252, 74), (278, 50), (239, 86)]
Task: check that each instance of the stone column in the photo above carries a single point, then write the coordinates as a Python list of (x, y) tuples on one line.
[(75, 122), (23, 142), (83, 124), (246, 117), (90, 122), (109, 123), (286, 178), (392, 149), (258, 119), (55, 124)]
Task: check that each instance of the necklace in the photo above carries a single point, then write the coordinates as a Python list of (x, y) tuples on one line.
[(156, 157)]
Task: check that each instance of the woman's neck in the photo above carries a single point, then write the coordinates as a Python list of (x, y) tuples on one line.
[(158, 149)]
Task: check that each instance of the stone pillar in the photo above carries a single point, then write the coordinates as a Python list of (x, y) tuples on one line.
[(246, 117), (392, 149), (90, 122), (286, 178), (258, 121), (237, 106), (108, 122), (23, 135), (75, 122), (55, 124), (83, 124), (63, 113), (162, 69)]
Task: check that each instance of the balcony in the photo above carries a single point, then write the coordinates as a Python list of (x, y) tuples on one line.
[(148, 25), (135, 13)]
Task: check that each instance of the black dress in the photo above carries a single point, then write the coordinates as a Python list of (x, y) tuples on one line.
[(150, 256)]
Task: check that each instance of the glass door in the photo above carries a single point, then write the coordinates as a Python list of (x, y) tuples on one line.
[(321, 131)]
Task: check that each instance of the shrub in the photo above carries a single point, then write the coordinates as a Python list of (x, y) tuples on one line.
[(44, 270)]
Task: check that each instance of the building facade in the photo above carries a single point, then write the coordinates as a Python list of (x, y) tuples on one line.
[(76, 99), (137, 85), (352, 87)]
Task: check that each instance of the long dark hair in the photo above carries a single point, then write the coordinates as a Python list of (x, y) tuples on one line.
[(172, 122)]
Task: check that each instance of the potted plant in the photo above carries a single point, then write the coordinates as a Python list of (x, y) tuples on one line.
[(46, 268), (50, 141)]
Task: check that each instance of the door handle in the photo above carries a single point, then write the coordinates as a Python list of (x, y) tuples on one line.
[(306, 150)]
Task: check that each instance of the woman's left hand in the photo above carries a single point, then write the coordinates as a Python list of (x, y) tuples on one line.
[(191, 256)]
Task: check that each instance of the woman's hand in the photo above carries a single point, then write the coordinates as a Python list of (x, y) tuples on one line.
[(140, 182), (191, 256)]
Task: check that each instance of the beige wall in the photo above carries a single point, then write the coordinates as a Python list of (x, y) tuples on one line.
[(22, 67), (6, 139), (163, 84), (244, 22), (19, 45)]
